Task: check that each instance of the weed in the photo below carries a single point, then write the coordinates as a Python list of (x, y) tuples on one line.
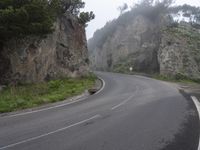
[(31, 95)]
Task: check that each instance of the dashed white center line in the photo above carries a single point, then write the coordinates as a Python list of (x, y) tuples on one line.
[(122, 103), (49, 133), (197, 104), (115, 107)]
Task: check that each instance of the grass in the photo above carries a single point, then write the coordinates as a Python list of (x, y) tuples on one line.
[(179, 77), (33, 95), (176, 78)]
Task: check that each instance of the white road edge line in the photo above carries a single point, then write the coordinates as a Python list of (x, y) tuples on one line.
[(197, 104), (44, 109), (49, 133), (103, 86), (57, 106), (122, 103)]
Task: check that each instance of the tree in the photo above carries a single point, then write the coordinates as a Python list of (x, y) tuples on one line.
[(85, 17), (71, 6), (123, 8), (187, 11), (19, 18)]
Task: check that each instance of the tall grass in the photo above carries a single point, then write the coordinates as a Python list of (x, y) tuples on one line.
[(20, 97)]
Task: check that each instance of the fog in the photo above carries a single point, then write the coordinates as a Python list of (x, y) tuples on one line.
[(106, 10)]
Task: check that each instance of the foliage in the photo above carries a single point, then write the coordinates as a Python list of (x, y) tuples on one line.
[(20, 18), (179, 77), (85, 17), (70, 6), (124, 64), (146, 8), (73, 7), (32, 95), (190, 12), (122, 8), (24, 17), (121, 68)]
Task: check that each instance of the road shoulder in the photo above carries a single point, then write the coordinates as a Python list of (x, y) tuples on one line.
[(99, 85)]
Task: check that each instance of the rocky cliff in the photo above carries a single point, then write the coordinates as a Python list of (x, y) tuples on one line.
[(139, 38), (179, 51), (35, 59), (148, 45)]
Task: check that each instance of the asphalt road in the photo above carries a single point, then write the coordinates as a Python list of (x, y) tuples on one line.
[(130, 113)]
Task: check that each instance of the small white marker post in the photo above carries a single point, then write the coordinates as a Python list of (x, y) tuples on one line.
[(131, 69)]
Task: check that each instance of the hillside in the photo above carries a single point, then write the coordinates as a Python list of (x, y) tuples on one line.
[(148, 39), (42, 40)]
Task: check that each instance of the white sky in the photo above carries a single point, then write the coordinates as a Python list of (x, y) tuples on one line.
[(106, 10)]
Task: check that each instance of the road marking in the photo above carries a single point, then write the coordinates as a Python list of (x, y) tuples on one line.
[(197, 104), (50, 133), (115, 107), (103, 86), (44, 109), (122, 103), (57, 106)]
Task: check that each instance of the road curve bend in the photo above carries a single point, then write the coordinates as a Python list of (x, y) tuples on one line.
[(130, 113)]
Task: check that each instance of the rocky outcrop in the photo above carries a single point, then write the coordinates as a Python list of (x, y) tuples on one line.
[(179, 51), (139, 38), (35, 59), (146, 45)]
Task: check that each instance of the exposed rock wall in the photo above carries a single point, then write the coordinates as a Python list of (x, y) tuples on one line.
[(34, 59), (140, 38), (179, 52), (149, 46)]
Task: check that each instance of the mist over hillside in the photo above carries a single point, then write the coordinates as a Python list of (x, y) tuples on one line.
[(153, 37)]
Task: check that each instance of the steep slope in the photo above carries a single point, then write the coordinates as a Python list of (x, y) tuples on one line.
[(35, 59), (139, 37), (179, 51), (149, 42)]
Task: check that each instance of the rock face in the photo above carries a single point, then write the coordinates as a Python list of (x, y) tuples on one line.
[(179, 52), (148, 46), (34, 59), (139, 38)]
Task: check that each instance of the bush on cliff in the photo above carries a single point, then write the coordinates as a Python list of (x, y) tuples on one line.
[(20, 18)]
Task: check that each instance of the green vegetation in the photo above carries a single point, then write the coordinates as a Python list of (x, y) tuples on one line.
[(191, 36), (190, 12), (154, 10), (145, 8), (123, 66), (179, 77), (85, 17), (20, 18), (32, 95), (190, 33)]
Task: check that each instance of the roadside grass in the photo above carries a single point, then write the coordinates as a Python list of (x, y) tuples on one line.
[(178, 78), (20, 97)]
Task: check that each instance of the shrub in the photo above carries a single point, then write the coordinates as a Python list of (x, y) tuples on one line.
[(54, 84), (180, 76)]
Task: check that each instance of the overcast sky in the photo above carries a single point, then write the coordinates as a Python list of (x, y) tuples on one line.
[(106, 10)]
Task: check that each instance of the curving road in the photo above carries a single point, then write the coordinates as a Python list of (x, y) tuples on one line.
[(130, 113)]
